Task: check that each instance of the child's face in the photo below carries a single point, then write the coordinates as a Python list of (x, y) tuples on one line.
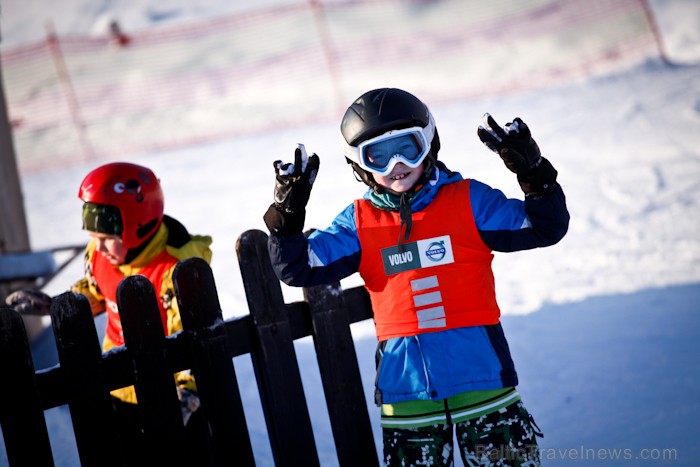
[(401, 179), (111, 247)]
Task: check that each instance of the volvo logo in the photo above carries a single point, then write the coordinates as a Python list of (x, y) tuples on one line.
[(436, 251)]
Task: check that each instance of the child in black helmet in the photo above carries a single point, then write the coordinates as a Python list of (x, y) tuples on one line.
[(422, 239)]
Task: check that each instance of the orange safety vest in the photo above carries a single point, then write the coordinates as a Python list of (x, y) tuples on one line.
[(441, 279), (108, 278)]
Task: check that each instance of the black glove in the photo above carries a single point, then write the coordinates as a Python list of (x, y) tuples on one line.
[(538, 181), (294, 180), (513, 143), (520, 153), (293, 183), (29, 302)]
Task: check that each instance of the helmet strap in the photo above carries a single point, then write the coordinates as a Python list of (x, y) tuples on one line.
[(134, 252), (149, 226)]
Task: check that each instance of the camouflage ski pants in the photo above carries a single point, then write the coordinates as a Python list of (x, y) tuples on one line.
[(503, 438)]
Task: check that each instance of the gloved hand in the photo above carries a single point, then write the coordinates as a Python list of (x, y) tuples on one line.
[(513, 143), (29, 302), (293, 183), (189, 403), (520, 153)]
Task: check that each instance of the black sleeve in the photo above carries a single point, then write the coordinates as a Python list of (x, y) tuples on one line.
[(548, 223)]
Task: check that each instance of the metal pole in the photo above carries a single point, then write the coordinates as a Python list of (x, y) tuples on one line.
[(656, 32)]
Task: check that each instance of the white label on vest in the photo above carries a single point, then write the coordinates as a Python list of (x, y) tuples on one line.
[(421, 254)]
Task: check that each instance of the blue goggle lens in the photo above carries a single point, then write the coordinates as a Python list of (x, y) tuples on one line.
[(406, 147)]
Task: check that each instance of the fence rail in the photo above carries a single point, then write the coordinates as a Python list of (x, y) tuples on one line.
[(207, 345), (74, 98)]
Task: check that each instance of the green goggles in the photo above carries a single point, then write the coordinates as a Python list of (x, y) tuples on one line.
[(102, 218)]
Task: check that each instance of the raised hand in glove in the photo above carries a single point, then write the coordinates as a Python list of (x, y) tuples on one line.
[(513, 143), (29, 302), (520, 153), (293, 183)]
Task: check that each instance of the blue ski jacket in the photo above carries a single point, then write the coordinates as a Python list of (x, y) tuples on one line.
[(436, 365)]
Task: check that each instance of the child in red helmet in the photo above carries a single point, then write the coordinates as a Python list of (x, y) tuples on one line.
[(129, 234), (422, 239)]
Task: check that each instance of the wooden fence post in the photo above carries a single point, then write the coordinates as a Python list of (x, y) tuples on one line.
[(340, 374), (274, 360), (212, 362), (154, 379), (80, 357), (21, 414)]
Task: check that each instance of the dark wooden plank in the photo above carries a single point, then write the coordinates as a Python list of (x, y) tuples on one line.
[(340, 374), (119, 370), (274, 358), (21, 415), (80, 357), (52, 390), (357, 304), (154, 381), (212, 363)]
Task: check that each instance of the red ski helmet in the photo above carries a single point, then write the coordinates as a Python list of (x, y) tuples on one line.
[(132, 189)]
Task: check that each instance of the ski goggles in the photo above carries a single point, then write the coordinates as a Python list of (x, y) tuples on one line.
[(380, 154), (102, 218)]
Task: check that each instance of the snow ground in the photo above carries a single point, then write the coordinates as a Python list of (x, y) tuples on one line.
[(602, 326)]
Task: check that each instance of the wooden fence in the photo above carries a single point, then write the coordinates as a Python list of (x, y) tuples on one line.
[(207, 345)]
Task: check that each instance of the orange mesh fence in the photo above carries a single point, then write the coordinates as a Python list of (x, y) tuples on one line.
[(72, 98)]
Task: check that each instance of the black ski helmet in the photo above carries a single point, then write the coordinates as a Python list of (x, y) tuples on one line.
[(380, 110)]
